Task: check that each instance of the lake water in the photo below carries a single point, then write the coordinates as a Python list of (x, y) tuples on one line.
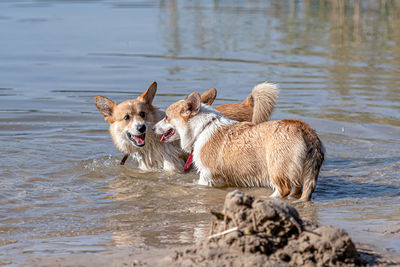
[(62, 190)]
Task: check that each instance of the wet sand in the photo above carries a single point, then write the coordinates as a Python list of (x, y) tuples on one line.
[(163, 257), (248, 232)]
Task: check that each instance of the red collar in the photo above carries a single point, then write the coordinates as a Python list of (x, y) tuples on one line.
[(188, 162)]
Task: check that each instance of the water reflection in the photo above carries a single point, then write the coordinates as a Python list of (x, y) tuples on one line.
[(62, 189), (172, 210), (348, 48)]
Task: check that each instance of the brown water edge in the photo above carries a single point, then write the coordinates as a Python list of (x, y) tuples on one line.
[(268, 229), (126, 190), (162, 257)]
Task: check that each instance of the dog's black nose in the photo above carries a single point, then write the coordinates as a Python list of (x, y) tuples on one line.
[(142, 128)]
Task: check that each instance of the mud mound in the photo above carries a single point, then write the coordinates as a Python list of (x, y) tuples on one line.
[(253, 232)]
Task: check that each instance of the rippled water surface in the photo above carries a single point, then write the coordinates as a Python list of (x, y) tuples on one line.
[(62, 190)]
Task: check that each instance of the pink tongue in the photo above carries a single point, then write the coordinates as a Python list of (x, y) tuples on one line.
[(162, 138), (139, 140)]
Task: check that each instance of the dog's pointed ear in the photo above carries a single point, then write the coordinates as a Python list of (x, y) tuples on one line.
[(105, 106), (150, 93), (192, 104), (209, 96)]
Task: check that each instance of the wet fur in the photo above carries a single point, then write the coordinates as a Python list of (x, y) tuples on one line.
[(153, 155), (285, 155), (168, 156)]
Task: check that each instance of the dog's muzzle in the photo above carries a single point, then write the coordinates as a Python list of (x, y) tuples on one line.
[(137, 140)]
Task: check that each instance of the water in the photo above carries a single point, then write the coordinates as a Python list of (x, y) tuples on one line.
[(62, 190)]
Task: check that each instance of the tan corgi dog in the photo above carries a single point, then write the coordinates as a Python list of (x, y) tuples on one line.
[(285, 155), (131, 122)]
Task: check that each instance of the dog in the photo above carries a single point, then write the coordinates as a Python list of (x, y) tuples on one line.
[(285, 155), (257, 107), (131, 122)]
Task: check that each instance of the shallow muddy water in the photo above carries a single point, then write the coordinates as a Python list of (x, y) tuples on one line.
[(62, 190)]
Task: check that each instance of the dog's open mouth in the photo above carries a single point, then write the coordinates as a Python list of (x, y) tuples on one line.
[(167, 135), (138, 140)]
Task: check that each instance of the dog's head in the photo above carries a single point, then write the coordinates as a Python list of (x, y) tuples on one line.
[(179, 122), (166, 128), (129, 120)]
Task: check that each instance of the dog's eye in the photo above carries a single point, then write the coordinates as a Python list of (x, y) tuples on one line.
[(166, 117), (142, 114), (127, 117)]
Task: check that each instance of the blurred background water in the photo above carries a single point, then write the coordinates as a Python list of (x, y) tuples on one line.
[(62, 190)]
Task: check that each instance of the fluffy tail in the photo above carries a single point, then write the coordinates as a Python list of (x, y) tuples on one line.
[(262, 98)]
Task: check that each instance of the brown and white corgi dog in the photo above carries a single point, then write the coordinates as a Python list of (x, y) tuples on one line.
[(285, 155), (131, 122)]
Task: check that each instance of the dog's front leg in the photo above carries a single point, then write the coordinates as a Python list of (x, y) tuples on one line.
[(205, 178), (202, 181)]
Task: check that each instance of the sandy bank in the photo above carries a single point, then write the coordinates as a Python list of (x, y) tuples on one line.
[(248, 232)]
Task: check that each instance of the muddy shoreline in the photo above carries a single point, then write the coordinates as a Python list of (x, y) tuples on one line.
[(163, 257), (247, 232)]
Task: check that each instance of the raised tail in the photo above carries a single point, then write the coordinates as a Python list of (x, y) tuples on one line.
[(263, 98)]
